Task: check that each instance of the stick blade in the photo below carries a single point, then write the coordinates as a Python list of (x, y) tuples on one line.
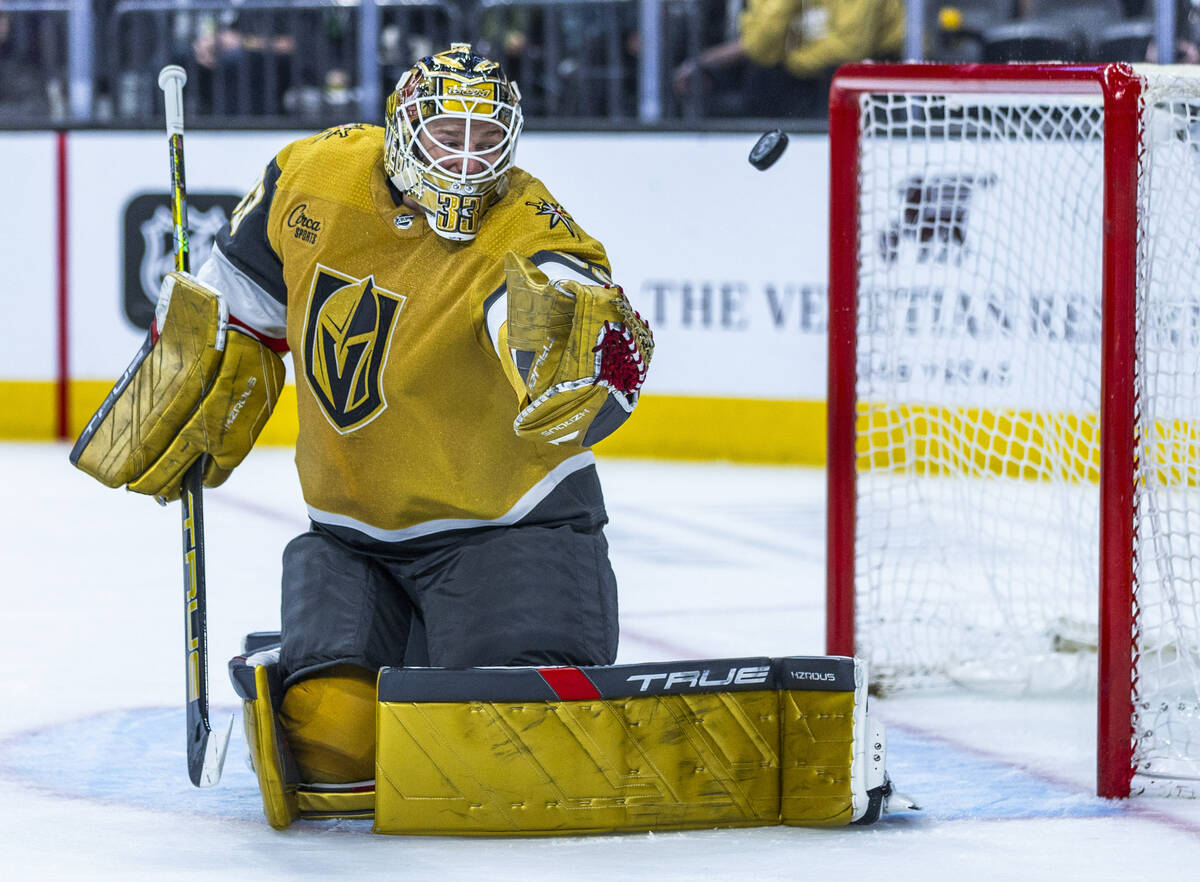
[(206, 751)]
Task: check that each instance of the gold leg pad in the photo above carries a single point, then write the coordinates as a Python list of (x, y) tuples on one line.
[(818, 754), (279, 800), (330, 724), (645, 763)]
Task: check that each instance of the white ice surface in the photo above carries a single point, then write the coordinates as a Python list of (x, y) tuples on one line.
[(713, 560)]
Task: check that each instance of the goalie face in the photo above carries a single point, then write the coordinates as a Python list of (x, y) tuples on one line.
[(451, 134)]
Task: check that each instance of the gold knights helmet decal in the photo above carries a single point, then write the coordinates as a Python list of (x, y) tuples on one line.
[(347, 335)]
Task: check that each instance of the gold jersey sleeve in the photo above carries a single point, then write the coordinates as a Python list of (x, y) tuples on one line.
[(405, 413)]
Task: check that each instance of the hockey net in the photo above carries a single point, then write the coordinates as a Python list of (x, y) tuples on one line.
[(990, 288)]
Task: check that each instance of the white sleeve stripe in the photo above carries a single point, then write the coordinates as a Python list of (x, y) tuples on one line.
[(497, 315), (247, 300), (555, 267)]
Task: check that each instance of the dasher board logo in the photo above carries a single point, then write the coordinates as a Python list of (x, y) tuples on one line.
[(933, 216), (347, 335), (148, 244)]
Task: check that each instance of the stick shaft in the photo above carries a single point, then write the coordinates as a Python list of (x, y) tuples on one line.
[(181, 245), (171, 79), (204, 762)]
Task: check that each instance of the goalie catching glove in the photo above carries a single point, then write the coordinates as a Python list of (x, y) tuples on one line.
[(581, 353), (197, 386)]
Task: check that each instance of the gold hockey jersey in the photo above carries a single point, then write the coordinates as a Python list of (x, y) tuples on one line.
[(405, 414)]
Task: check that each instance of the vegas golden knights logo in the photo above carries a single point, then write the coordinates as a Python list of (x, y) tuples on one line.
[(347, 333)]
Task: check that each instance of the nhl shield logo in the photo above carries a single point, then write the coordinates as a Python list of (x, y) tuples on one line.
[(347, 333), (149, 232)]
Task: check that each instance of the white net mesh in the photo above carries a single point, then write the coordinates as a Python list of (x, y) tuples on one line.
[(979, 386), (1167, 562)]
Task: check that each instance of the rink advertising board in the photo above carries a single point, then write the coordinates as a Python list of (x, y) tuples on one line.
[(727, 262), (29, 259)]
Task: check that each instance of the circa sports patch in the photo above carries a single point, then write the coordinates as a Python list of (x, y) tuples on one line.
[(347, 334)]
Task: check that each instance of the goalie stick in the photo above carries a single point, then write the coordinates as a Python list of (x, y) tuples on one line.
[(205, 753)]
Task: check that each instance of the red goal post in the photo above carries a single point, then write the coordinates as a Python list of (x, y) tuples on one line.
[(917, 278)]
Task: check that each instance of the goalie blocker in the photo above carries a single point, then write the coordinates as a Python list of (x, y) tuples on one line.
[(561, 750), (197, 386)]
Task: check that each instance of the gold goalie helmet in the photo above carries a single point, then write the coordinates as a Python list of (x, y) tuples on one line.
[(451, 134)]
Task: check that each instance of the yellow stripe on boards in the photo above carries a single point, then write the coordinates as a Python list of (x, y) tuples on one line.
[(662, 427), (734, 429), (83, 398), (934, 440), (282, 426), (927, 439), (27, 410)]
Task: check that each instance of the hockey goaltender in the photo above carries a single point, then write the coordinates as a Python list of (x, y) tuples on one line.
[(449, 621)]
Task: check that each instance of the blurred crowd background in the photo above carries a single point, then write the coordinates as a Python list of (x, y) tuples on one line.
[(580, 63)]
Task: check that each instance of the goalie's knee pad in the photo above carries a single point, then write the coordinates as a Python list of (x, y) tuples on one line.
[(329, 719)]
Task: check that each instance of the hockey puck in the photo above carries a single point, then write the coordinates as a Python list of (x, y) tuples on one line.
[(768, 148)]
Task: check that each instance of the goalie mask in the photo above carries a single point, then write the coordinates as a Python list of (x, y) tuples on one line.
[(451, 133)]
